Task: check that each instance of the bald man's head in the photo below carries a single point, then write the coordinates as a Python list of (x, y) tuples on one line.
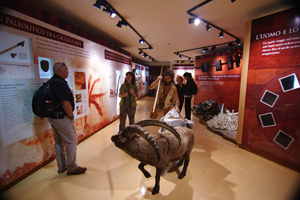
[(61, 69), (57, 66)]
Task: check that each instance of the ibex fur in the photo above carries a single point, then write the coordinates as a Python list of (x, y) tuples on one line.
[(164, 150)]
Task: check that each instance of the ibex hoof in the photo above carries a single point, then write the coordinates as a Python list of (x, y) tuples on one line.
[(155, 190), (147, 174), (181, 176)]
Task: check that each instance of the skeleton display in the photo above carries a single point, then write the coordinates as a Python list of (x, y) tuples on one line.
[(227, 120), (166, 150)]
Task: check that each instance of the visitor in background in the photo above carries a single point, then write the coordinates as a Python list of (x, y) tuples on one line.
[(128, 92), (190, 83), (180, 90)]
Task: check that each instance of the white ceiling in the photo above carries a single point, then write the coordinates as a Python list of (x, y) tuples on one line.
[(163, 23)]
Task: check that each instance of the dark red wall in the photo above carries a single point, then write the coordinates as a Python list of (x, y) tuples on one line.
[(274, 54), (221, 86)]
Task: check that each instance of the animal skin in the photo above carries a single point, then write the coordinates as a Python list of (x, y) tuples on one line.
[(165, 150)]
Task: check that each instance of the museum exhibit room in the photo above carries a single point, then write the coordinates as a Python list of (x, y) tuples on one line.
[(150, 99)]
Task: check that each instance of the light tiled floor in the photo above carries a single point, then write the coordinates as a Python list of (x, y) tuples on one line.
[(218, 170)]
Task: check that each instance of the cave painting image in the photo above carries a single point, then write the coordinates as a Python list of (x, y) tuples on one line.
[(44, 65), (94, 98), (80, 81), (79, 110), (78, 98)]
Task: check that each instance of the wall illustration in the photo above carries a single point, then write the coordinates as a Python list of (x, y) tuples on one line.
[(26, 141), (15, 56), (272, 111)]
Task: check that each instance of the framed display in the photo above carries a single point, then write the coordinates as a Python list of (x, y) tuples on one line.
[(283, 139), (204, 67), (218, 65), (269, 98)]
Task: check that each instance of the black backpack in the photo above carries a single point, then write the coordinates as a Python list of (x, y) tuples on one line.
[(44, 101)]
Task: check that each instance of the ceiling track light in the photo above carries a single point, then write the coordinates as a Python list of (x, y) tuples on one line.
[(141, 41), (230, 44), (145, 55), (204, 49), (122, 22), (208, 24), (99, 3), (140, 52), (197, 21), (208, 27), (238, 42), (149, 48), (113, 14), (221, 34)]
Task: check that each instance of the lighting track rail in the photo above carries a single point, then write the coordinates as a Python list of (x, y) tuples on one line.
[(114, 13), (208, 27)]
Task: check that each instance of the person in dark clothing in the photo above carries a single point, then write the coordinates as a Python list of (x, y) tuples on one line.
[(188, 94), (128, 92), (62, 122), (180, 90)]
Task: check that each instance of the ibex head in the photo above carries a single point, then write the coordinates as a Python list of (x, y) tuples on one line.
[(128, 135)]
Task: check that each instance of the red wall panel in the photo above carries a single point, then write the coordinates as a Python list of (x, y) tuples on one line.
[(272, 112)]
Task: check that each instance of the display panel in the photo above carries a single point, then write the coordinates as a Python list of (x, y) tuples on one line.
[(204, 67), (289, 82), (269, 98), (218, 65), (267, 120), (229, 62), (283, 139)]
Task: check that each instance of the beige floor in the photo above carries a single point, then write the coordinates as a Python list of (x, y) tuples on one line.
[(218, 170)]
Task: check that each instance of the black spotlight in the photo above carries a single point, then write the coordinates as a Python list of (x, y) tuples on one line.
[(230, 45), (213, 47), (99, 3), (149, 48), (238, 42), (140, 52), (204, 49), (208, 27), (122, 22), (113, 14), (141, 41), (145, 55), (221, 34)]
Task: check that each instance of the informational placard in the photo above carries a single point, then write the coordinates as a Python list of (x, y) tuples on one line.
[(272, 111)]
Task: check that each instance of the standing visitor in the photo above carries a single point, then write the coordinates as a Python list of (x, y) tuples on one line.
[(128, 92), (180, 90), (190, 84), (62, 122)]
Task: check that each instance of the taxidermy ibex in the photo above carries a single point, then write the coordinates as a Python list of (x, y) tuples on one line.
[(165, 150)]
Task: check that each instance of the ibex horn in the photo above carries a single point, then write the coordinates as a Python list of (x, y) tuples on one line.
[(144, 134), (156, 122)]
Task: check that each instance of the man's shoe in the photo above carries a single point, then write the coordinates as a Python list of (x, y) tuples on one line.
[(62, 170), (79, 170)]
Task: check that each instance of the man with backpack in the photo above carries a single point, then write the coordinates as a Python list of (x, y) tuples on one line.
[(62, 122), (190, 90)]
